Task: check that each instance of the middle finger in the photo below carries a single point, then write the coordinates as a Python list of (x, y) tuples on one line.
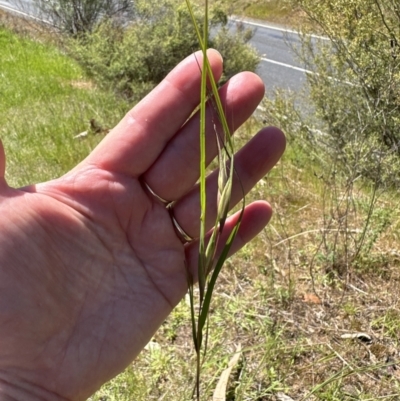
[(177, 169)]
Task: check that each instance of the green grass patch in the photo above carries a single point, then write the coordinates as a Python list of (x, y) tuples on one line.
[(45, 101)]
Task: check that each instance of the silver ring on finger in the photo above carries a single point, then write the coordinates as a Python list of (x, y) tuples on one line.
[(158, 197), (180, 232)]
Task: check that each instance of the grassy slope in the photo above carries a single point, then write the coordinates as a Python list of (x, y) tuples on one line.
[(265, 299), (45, 101), (272, 10), (275, 11)]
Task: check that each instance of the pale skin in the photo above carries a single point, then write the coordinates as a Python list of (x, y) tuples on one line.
[(90, 265)]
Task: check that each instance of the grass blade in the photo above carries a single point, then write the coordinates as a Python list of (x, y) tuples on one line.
[(208, 267)]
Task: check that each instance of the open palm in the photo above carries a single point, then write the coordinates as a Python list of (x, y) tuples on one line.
[(90, 264)]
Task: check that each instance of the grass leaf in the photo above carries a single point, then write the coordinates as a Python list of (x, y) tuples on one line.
[(209, 264)]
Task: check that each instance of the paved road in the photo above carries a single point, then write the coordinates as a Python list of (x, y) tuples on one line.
[(24, 6), (278, 68)]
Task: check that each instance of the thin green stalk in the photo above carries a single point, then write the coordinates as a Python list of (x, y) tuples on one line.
[(203, 199), (209, 264)]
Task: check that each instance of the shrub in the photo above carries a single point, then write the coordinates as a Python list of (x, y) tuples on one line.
[(135, 58), (77, 16), (238, 56), (355, 91), (348, 123)]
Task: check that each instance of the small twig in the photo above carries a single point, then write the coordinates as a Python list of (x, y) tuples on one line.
[(356, 289), (340, 357), (355, 231)]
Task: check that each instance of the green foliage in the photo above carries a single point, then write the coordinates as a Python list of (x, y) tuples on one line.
[(237, 55), (350, 130), (210, 262), (76, 16), (133, 59), (355, 91)]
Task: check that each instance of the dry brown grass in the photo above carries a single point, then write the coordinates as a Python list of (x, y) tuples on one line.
[(275, 11), (23, 26), (315, 302)]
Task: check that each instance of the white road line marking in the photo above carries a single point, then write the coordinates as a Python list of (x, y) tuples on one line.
[(275, 28), (14, 10), (287, 65), (305, 71)]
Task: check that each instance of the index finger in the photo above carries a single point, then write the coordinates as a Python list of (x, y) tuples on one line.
[(136, 142)]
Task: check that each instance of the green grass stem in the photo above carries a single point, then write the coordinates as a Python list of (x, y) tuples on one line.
[(209, 264)]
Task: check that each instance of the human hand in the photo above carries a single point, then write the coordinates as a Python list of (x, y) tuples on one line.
[(90, 264)]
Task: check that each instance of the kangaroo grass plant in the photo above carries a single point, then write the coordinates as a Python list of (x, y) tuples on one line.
[(209, 263)]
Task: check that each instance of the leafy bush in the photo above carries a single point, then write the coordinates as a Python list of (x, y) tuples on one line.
[(355, 91), (77, 16), (348, 122), (238, 56), (135, 58)]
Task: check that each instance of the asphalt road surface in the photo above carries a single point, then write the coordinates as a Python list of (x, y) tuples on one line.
[(23, 6), (278, 68)]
